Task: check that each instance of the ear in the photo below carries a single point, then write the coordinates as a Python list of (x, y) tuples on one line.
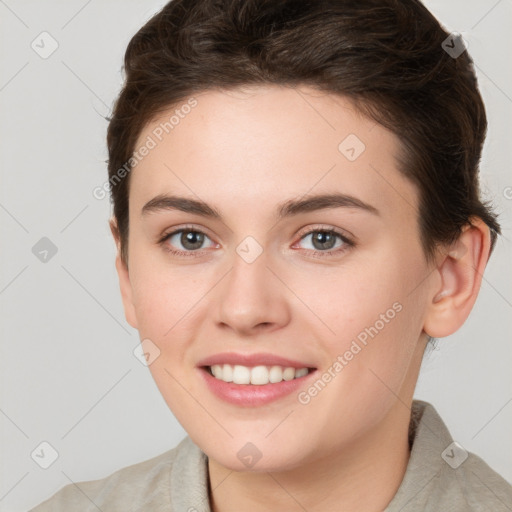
[(124, 278), (460, 271)]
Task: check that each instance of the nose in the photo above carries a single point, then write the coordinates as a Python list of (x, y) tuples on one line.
[(251, 299)]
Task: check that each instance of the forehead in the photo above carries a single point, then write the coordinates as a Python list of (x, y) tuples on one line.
[(252, 147)]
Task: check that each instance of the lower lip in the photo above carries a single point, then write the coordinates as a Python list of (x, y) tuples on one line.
[(252, 395)]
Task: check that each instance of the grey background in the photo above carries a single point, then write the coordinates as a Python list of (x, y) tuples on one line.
[(68, 373)]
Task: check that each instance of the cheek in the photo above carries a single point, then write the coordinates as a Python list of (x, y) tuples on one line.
[(366, 364), (372, 314), (348, 300), (163, 298), (166, 308)]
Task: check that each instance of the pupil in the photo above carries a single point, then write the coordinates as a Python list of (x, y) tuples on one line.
[(192, 239), (324, 240)]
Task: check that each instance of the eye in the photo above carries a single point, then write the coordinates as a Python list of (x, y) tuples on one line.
[(191, 240), (326, 242)]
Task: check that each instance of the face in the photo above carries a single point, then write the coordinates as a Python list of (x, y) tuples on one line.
[(274, 243)]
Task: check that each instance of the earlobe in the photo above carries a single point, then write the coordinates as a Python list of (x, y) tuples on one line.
[(460, 270), (124, 279)]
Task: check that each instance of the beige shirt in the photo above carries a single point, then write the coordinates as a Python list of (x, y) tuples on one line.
[(440, 477)]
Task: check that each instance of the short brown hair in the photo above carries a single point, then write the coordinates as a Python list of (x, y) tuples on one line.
[(384, 55)]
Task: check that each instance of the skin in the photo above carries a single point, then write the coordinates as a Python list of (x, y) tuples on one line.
[(244, 152)]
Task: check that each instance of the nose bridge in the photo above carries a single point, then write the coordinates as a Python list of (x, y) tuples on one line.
[(251, 295)]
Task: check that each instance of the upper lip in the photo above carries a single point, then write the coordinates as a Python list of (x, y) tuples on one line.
[(258, 359)]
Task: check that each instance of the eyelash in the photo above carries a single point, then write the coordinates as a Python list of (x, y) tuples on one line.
[(347, 243)]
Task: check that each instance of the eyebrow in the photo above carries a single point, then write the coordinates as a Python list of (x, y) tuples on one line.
[(289, 208)]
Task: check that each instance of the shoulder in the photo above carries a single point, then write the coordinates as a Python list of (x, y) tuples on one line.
[(442, 475), (471, 487), (482, 488), (141, 486)]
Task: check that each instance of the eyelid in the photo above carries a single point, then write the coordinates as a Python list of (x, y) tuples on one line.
[(343, 233), (183, 227)]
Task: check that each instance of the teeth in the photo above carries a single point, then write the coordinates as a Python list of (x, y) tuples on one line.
[(289, 374), (256, 375), (217, 371), (241, 374), (227, 373), (275, 374), (301, 372), (259, 375)]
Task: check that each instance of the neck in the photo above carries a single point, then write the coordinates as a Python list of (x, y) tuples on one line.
[(364, 476)]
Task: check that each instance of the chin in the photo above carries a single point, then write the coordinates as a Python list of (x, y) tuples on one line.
[(254, 457)]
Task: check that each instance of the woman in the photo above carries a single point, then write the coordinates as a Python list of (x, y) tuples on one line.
[(296, 212)]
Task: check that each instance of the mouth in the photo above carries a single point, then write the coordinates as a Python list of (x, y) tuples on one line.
[(250, 380), (260, 375)]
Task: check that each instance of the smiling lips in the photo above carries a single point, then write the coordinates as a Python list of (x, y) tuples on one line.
[(254, 379)]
